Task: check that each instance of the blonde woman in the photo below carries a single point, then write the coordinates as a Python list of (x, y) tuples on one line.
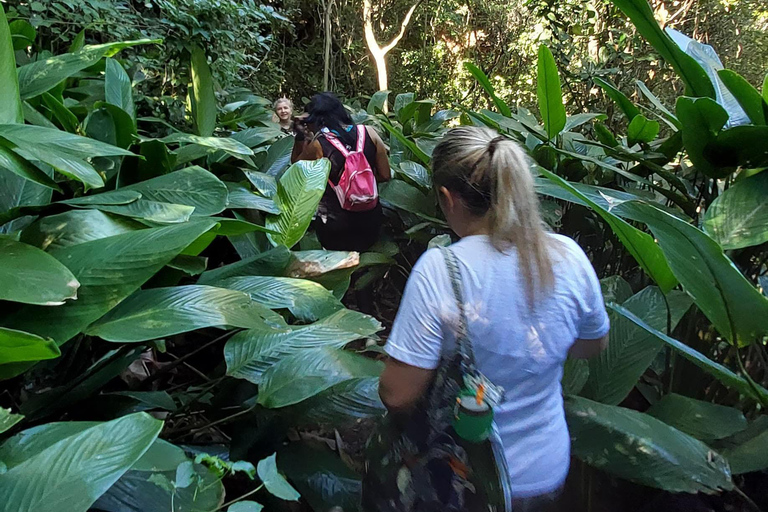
[(530, 298), (284, 115)]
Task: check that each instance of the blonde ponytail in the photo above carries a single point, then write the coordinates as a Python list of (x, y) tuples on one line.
[(492, 175)]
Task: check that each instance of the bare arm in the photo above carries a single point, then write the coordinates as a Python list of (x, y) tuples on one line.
[(585, 349), (402, 386), (381, 165), (303, 150)]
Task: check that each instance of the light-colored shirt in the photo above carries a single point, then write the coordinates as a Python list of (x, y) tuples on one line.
[(520, 349)]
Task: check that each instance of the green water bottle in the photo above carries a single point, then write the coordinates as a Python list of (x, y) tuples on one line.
[(474, 417)]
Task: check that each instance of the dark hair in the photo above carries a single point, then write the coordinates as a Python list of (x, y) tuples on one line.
[(326, 111)]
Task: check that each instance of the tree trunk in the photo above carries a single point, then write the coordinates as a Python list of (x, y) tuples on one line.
[(378, 52), (327, 4)]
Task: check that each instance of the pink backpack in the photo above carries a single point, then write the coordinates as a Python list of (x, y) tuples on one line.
[(356, 190)]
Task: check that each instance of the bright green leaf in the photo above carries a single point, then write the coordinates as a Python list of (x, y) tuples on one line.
[(10, 107), (702, 120), (118, 90), (202, 96), (641, 129), (486, 84), (20, 346), (17, 165), (246, 506), (75, 227), (193, 186), (33, 277), (748, 97), (8, 419), (549, 94)]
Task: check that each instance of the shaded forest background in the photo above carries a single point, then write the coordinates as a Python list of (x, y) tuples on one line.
[(277, 48)]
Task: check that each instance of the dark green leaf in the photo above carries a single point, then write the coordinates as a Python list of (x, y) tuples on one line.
[(159, 312), (486, 84), (8, 419), (75, 227), (193, 186), (118, 91), (23, 34), (17, 165), (747, 451), (575, 375), (739, 217), (642, 449), (246, 506), (641, 129), (399, 194), (702, 420), (748, 97), (10, 107), (202, 97), (270, 263), (378, 102), (549, 94), (242, 197), (624, 103), (33, 277), (417, 173), (278, 157), (151, 211), (153, 399), (702, 120)]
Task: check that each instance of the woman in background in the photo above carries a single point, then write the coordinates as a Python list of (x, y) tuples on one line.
[(339, 229), (531, 298), (284, 115)]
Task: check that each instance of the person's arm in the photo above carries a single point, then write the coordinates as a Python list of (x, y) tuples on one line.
[(402, 386), (306, 151), (381, 165), (586, 348)]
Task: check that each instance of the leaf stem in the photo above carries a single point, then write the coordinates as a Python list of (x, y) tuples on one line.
[(238, 499)]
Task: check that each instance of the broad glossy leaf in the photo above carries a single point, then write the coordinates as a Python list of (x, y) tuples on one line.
[(45, 74), (739, 216), (319, 262), (256, 136), (159, 312), (576, 120), (401, 195), (639, 244), (670, 118), (274, 481), (250, 353), (399, 137), (615, 289), (642, 449), (270, 263), (278, 157), (575, 375), (549, 93), (713, 368), (307, 300), (307, 373), (702, 420), (8, 419), (151, 211), (193, 186), (298, 193), (113, 197), (226, 144), (702, 120), (625, 104), (17, 193), (340, 405), (642, 129), (482, 79), (191, 265), (76, 470), (378, 102), (20, 346), (741, 146), (202, 97), (17, 165), (748, 97), (65, 152), (153, 399), (75, 227), (321, 476), (10, 107), (264, 183), (693, 75), (747, 451), (109, 269), (118, 90), (33, 277), (631, 349), (417, 173), (246, 506), (242, 197), (67, 120)]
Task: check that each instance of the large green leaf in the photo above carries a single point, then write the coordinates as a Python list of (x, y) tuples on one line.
[(702, 120), (10, 107), (482, 79), (417, 173), (307, 300), (693, 75), (278, 157), (151, 211), (33, 277), (702, 420), (250, 353), (748, 97), (639, 244), (642, 129), (45, 74), (17, 165), (8, 419), (65, 152), (117, 88), (193, 186), (713, 368), (298, 193), (739, 217), (76, 470), (307, 373), (399, 194), (378, 102), (269, 263), (747, 451), (405, 141), (274, 481), (202, 97), (109, 269), (631, 349), (17, 193), (75, 227), (624, 103), (241, 196), (741, 146), (642, 449), (549, 94), (159, 312), (19, 346), (340, 405)]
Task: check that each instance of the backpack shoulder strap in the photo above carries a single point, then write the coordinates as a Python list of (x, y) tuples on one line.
[(361, 133), (335, 142), (464, 344)]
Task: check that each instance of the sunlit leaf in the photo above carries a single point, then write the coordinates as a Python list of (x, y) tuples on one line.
[(549, 94), (33, 277), (203, 99)]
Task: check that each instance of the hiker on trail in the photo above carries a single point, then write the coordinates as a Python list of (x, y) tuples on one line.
[(284, 115), (512, 300), (349, 216)]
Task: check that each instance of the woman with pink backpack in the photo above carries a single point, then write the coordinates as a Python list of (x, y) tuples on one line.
[(349, 217)]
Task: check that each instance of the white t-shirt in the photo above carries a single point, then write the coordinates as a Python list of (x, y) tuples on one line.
[(519, 350)]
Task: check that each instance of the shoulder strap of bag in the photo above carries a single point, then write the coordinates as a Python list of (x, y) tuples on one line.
[(330, 137), (361, 133), (463, 343)]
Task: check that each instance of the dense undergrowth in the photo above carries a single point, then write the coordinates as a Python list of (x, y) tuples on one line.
[(169, 322)]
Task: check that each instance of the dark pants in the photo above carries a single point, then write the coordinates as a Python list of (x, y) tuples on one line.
[(340, 230), (541, 503)]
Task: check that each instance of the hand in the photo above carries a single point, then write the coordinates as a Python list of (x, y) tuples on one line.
[(300, 127)]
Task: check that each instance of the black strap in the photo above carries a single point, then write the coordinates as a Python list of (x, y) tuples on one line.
[(463, 343)]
